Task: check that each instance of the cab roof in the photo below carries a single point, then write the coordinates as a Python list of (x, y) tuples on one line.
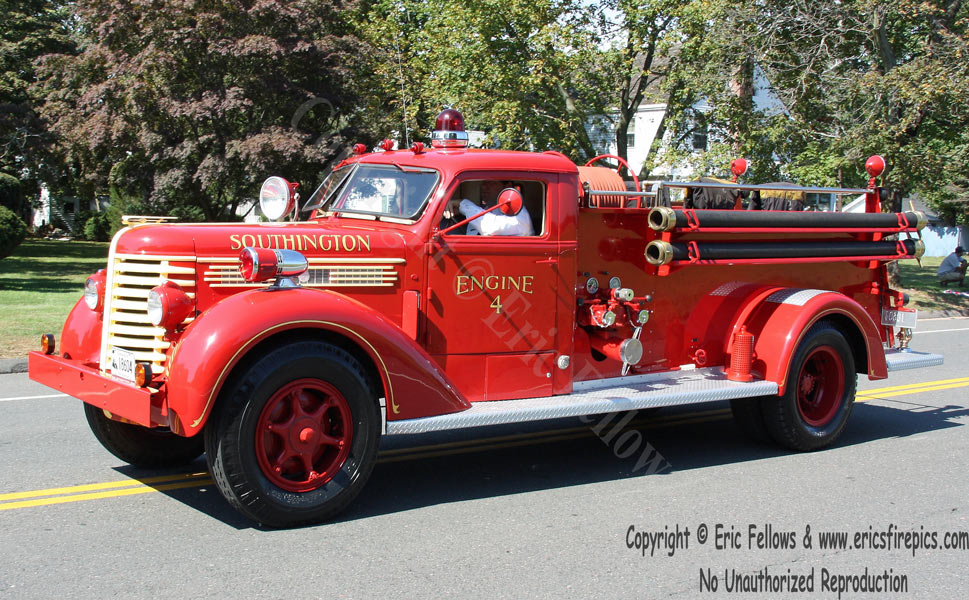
[(454, 160)]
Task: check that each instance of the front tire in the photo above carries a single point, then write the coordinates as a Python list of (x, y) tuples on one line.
[(820, 392), (295, 436), (142, 446)]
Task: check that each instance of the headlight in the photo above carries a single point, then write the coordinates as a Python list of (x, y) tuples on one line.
[(168, 306), (94, 291), (155, 309), (277, 198)]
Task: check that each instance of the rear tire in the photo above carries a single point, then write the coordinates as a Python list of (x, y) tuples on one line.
[(294, 437), (142, 446), (820, 392)]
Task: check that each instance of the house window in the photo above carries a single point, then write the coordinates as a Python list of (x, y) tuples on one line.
[(700, 137), (631, 136)]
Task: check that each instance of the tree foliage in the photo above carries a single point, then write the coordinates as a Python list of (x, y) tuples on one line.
[(856, 78), (11, 193), (184, 106), (525, 72), (31, 29)]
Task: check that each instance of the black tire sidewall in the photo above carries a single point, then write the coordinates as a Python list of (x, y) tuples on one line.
[(784, 420), (262, 499), (142, 446)]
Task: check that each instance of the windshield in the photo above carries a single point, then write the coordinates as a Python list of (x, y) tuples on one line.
[(379, 190), (332, 182)]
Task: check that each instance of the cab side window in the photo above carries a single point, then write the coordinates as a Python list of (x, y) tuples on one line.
[(476, 196)]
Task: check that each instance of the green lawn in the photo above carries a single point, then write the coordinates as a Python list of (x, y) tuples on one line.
[(39, 285), (925, 292)]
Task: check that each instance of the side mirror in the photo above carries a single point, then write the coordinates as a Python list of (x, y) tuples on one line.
[(510, 202)]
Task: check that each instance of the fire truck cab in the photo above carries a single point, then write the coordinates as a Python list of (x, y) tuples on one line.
[(446, 288)]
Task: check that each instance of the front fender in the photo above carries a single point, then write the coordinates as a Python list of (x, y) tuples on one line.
[(780, 320), (81, 334), (219, 338)]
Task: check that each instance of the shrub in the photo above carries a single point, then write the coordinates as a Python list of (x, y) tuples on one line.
[(98, 228), (12, 231), (11, 193), (81, 218)]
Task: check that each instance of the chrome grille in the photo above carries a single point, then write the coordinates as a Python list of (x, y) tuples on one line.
[(126, 312)]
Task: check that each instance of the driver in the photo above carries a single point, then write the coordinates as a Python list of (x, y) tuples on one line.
[(494, 222)]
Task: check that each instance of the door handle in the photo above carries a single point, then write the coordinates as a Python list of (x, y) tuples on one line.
[(552, 260)]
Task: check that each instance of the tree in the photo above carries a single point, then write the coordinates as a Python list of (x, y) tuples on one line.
[(185, 107), (527, 73), (32, 28), (857, 78)]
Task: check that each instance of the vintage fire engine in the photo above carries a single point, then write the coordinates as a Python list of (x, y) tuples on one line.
[(285, 350)]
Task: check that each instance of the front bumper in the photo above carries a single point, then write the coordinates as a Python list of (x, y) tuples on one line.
[(120, 398)]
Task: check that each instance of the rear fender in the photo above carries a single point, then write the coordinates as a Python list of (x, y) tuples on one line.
[(780, 319), (212, 345)]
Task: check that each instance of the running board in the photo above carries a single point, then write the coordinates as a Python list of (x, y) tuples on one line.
[(670, 388), (899, 360)]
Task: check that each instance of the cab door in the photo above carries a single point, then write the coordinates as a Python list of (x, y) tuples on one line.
[(493, 301)]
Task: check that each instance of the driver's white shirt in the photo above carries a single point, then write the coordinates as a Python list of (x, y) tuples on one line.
[(496, 222)]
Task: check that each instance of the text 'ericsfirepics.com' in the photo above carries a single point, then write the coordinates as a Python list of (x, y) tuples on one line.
[(726, 539)]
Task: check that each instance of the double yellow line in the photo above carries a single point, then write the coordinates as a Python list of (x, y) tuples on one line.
[(96, 491), (912, 388), (131, 487)]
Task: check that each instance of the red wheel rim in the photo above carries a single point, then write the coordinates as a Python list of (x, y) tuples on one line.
[(820, 386), (303, 435)]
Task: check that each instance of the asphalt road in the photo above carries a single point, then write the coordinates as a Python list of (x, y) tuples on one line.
[(494, 513)]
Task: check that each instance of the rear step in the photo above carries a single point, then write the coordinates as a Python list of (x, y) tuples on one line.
[(599, 396), (899, 360)]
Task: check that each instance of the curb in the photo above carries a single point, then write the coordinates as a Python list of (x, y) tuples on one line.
[(13, 365)]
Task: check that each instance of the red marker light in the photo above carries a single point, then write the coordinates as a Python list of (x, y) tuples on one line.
[(387, 145), (738, 167), (875, 165), (359, 149), (417, 147)]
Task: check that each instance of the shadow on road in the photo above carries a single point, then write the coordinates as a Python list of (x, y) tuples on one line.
[(425, 471)]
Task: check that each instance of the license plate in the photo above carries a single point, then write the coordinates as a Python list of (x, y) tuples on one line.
[(123, 363), (899, 318)]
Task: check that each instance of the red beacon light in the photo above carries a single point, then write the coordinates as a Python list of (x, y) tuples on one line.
[(387, 145), (262, 264), (359, 149), (449, 130)]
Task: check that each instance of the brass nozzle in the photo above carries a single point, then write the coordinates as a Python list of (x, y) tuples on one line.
[(921, 221), (661, 218), (919, 248), (659, 252)]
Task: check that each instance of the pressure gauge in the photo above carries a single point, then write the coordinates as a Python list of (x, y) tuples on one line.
[(615, 283), (592, 285)]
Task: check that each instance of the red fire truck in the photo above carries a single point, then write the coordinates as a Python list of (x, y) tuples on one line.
[(284, 350)]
